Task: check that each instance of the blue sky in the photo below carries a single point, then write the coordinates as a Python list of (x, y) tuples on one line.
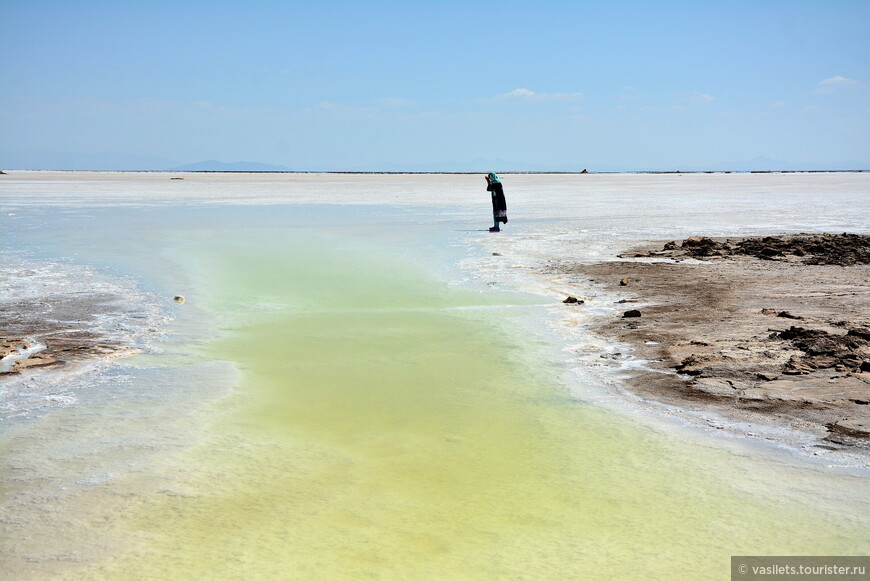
[(433, 85)]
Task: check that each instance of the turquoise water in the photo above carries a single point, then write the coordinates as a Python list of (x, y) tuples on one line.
[(335, 400)]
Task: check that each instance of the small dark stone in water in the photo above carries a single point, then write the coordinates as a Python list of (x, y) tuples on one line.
[(630, 314), (573, 301)]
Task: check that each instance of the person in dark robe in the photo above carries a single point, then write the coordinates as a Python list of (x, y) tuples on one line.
[(499, 206)]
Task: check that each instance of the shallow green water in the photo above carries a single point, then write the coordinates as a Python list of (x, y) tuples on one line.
[(388, 425), (381, 430)]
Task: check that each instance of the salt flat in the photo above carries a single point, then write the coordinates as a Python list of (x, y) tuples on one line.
[(352, 388)]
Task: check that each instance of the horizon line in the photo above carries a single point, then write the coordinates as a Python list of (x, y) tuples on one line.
[(427, 172)]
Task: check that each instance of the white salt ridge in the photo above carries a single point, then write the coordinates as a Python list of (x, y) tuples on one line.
[(35, 347)]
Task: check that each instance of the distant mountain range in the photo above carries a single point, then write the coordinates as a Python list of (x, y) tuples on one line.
[(45, 160)]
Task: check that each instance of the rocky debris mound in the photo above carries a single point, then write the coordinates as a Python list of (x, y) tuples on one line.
[(823, 350), (701, 246), (819, 351), (839, 249)]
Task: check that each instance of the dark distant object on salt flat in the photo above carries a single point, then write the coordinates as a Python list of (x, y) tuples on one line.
[(176, 178), (584, 171), (787, 315), (574, 301), (782, 314), (178, 299), (631, 314)]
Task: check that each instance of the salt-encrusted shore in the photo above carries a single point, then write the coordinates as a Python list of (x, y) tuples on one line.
[(59, 320), (31, 339), (764, 333)]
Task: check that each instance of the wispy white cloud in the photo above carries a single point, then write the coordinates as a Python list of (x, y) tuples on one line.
[(527, 96), (838, 81), (335, 110), (777, 105), (662, 108), (833, 84), (697, 98)]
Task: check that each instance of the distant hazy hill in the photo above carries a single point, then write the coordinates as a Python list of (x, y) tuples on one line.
[(214, 165)]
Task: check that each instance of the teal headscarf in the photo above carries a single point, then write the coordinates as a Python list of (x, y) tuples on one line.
[(494, 178)]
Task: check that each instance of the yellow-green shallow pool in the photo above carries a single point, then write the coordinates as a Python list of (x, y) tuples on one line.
[(388, 426)]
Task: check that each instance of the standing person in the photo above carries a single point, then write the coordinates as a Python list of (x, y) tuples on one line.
[(499, 206)]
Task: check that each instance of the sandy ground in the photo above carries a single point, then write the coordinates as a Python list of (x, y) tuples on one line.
[(759, 338)]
